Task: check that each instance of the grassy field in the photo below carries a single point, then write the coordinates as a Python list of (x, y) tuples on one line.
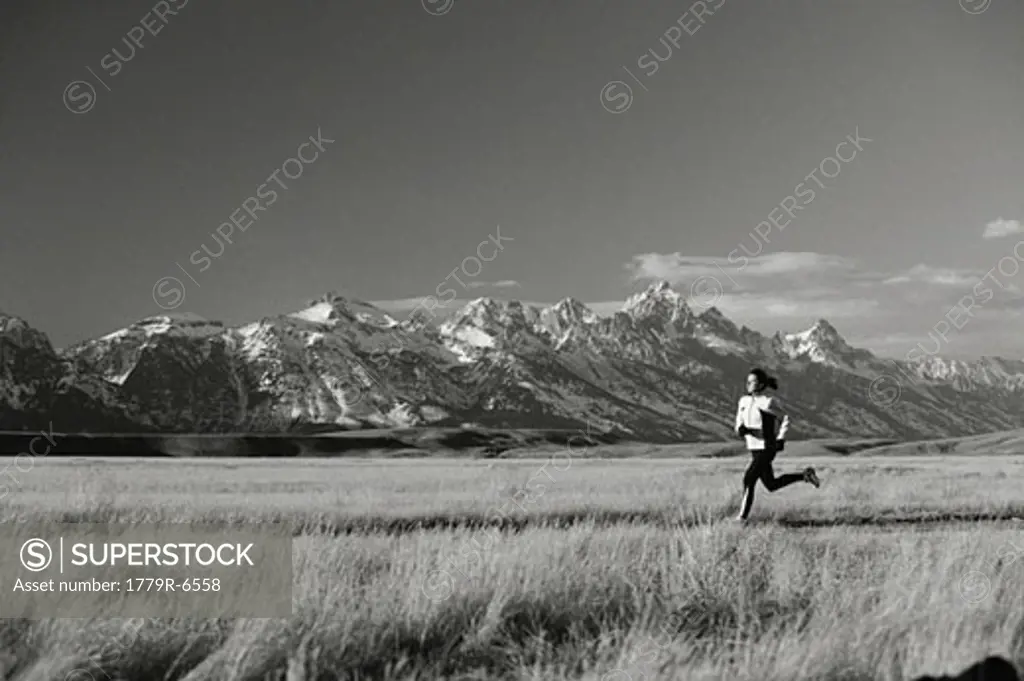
[(578, 567)]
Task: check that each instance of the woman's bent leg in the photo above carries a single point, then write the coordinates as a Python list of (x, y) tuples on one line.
[(772, 483)]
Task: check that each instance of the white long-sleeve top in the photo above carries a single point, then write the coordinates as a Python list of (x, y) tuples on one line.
[(749, 414)]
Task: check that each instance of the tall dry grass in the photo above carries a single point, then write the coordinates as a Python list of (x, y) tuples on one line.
[(685, 594)]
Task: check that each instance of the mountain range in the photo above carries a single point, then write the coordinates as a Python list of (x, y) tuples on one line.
[(658, 370)]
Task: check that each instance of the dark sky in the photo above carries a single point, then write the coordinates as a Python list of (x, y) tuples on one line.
[(448, 125)]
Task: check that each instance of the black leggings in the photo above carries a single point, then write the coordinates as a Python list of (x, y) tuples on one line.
[(760, 468)]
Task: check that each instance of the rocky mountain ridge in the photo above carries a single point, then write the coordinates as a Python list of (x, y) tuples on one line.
[(659, 370)]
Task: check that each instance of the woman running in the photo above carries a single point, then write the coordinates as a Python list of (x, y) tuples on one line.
[(763, 421)]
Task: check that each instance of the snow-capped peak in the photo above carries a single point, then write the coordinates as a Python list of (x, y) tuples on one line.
[(332, 307), (821, 333), (559, 320), (659, 301), (489, 313), (821, 343), (479, 311), (573, 310), (179, 324)]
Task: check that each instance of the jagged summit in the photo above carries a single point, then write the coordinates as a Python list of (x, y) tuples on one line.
[(484, 322), (16, 331), (492, 310), (10, 321), (821, 333), (661, 286), (564, 318), (573, 310), (167, 321), (713, 320), (821, 343), (333, 307), (183, 324), (823, 327), (658, 290), (713, 313), (659, 300), (483, 309)]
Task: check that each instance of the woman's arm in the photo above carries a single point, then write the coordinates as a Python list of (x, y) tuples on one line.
[(769, 426), (741, 428), (778, 410)]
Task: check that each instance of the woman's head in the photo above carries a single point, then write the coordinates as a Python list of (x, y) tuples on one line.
[(758, 379)]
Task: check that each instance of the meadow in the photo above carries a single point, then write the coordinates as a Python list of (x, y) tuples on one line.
[(567, 566)]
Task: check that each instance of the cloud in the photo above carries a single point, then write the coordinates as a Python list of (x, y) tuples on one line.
[(504, 283), (927, 276), (937, 276), (999, 228), (676, 267), (799, 307), (1010, 305)]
